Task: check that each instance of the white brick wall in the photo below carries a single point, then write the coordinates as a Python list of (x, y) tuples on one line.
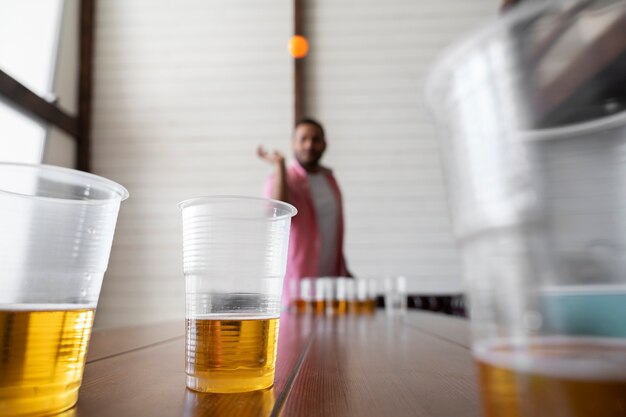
[(366, 72), (185, 91)]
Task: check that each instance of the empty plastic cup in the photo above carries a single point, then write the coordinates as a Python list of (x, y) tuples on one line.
[(395, 296)]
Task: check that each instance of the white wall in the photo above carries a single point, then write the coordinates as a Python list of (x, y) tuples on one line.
[(185, 91), (365, 76)]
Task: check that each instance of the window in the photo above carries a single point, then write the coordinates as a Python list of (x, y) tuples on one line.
[(29, 30), (21, 138)]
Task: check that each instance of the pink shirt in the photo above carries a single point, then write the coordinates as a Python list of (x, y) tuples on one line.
[(304, 238)]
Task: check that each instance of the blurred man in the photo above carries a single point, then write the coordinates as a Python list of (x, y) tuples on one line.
[(316, 239)]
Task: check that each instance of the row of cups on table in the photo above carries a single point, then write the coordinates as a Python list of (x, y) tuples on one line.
[(62, 222), (342, 295)]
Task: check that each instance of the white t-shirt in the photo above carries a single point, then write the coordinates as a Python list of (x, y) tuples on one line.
[(327, 214)]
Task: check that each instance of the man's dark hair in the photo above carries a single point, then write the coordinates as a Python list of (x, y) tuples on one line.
[(309, 121)]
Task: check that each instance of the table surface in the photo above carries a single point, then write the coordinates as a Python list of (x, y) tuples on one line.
[(416, 365)]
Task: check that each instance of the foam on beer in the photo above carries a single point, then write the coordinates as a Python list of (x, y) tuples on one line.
[(232, 316), (574, 358), (45, 307)]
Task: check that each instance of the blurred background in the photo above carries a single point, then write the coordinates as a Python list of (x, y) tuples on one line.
[(171, 99)]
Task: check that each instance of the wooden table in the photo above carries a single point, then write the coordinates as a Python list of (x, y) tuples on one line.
[(419, 365)]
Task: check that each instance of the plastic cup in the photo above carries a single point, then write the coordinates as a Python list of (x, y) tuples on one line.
[(340, 303), (361, 295), (350, 295), (331, 286), (305, 295), (294, 293), (530, 111), (395, 296), (234, 260), (322, 290), (372, 294), (57, 226)]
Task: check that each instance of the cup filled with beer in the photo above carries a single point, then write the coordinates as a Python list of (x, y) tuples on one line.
[(361, 295), (56, 228), (234, 260), (304, 295), (531, 113), (323, 292)]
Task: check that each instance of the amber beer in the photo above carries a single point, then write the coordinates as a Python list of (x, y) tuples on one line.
[(339, 303), (319, 306), (360, 306), (300, 306), (352, 307), (231, 354), (42, 355), (369, 306), (322, 289), (303, 298), (340, 307), (554, 377), (350, 297)]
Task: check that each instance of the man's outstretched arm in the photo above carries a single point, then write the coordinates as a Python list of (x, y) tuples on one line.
[(277, 160)]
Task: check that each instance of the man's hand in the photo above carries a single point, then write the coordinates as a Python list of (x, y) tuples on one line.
[(274, 157), (279, 188)]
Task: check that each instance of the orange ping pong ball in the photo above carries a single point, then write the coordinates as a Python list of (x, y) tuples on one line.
[(298, 46)]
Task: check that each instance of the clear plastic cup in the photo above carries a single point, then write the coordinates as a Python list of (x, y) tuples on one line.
[(395, 296), (294, 295), (57, 226), (305, 295), (331, 286), (361, 295), (372, 295), (350, 295), (322, 290), (234, 260), (531, 115), (340, 305)]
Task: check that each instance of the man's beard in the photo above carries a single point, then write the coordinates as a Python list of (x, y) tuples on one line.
[(311, 163)]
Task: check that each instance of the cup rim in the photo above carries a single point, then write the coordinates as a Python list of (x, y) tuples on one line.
[(289, 209), (119, 192), (461, 48)]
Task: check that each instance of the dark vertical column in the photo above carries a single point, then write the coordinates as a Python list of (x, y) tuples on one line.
[(83, 151), (298, 90)]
